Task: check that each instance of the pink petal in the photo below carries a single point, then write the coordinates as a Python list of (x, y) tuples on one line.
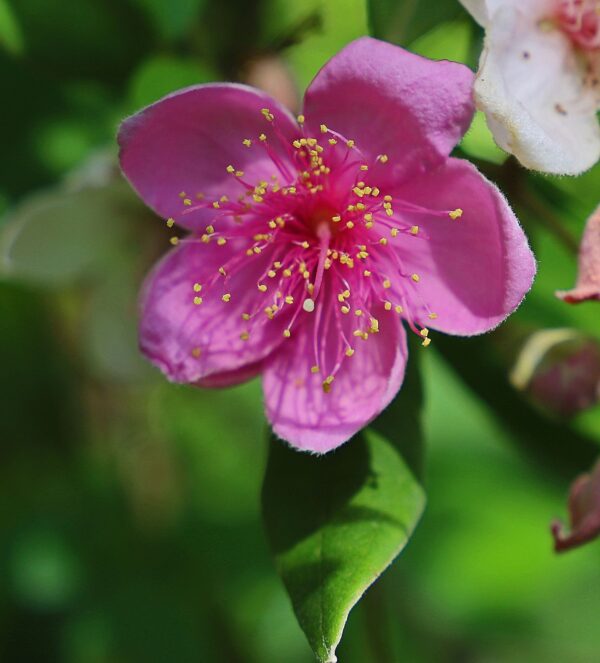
[(312, 420), (184, 143), (474, 271), (392, 102), (584, 512), (191, 343), (588, 279)]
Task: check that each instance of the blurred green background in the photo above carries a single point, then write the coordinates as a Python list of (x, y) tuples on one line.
[(130, 526)]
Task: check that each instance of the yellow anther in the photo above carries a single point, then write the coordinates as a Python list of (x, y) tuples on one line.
[(182, 194), (387, 284), (414, 230), (388, 199), (375, 192), (327, 383), (314, 369), (433, 316), (297, 144), (455, 214), (357, 332), (389, 211), (205, 239), (271, 273), (247, 142), (358, 313), (216, 204), (350, 144), (277, 264), (366, 273), (170, 222), (311, 288), (239, 173), (345, 309), (332, 141), (287, 273), (289, 299), (336, 219), (383, 158), (358, 191), (426, 342), (230, 169), (287, 333), (197, 287), (369, 225), (346, 294), (349, 352), (174, 241), (374, 326), (196, 352), (323, 128), (383, 241), (272, 225), (187, 202), (341, 298), (222, 271), (305, 244), (267, 114), (210, 229), (226, 297), (364, 167), (350, 225), (424, 332), (387, 306), (257, 249), (245, 335), (308, 305), (360, 207), (262, 287), (368, 217), (245, 316), (394, 232), (415, 277), (301, 119), (398, 309), (262, 138), (197, 301)]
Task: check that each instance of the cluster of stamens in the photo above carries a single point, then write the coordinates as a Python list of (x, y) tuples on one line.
[(328, 239)]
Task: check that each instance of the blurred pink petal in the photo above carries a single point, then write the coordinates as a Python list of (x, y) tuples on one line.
[(584, 513), (314, 240), (588, 279)]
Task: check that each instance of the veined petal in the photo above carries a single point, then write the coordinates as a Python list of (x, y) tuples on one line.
[(473, 270), (184, 143), (191, 341), (536, 94), (392, 102), (301, 411)]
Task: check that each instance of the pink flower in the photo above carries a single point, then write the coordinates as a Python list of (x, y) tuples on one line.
[(584, 512), (311, 240), (588, 279), (539, 80)]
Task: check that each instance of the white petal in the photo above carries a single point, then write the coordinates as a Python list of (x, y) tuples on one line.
[(532, 87), (483, 10)]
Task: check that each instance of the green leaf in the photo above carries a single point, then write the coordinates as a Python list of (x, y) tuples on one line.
[(402, 21), (336, 522), (11, 37)]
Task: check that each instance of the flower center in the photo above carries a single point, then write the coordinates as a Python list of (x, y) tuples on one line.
[(580, 20), (324, 239)]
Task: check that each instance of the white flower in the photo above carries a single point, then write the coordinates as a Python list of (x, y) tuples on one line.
[(539, 80)]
